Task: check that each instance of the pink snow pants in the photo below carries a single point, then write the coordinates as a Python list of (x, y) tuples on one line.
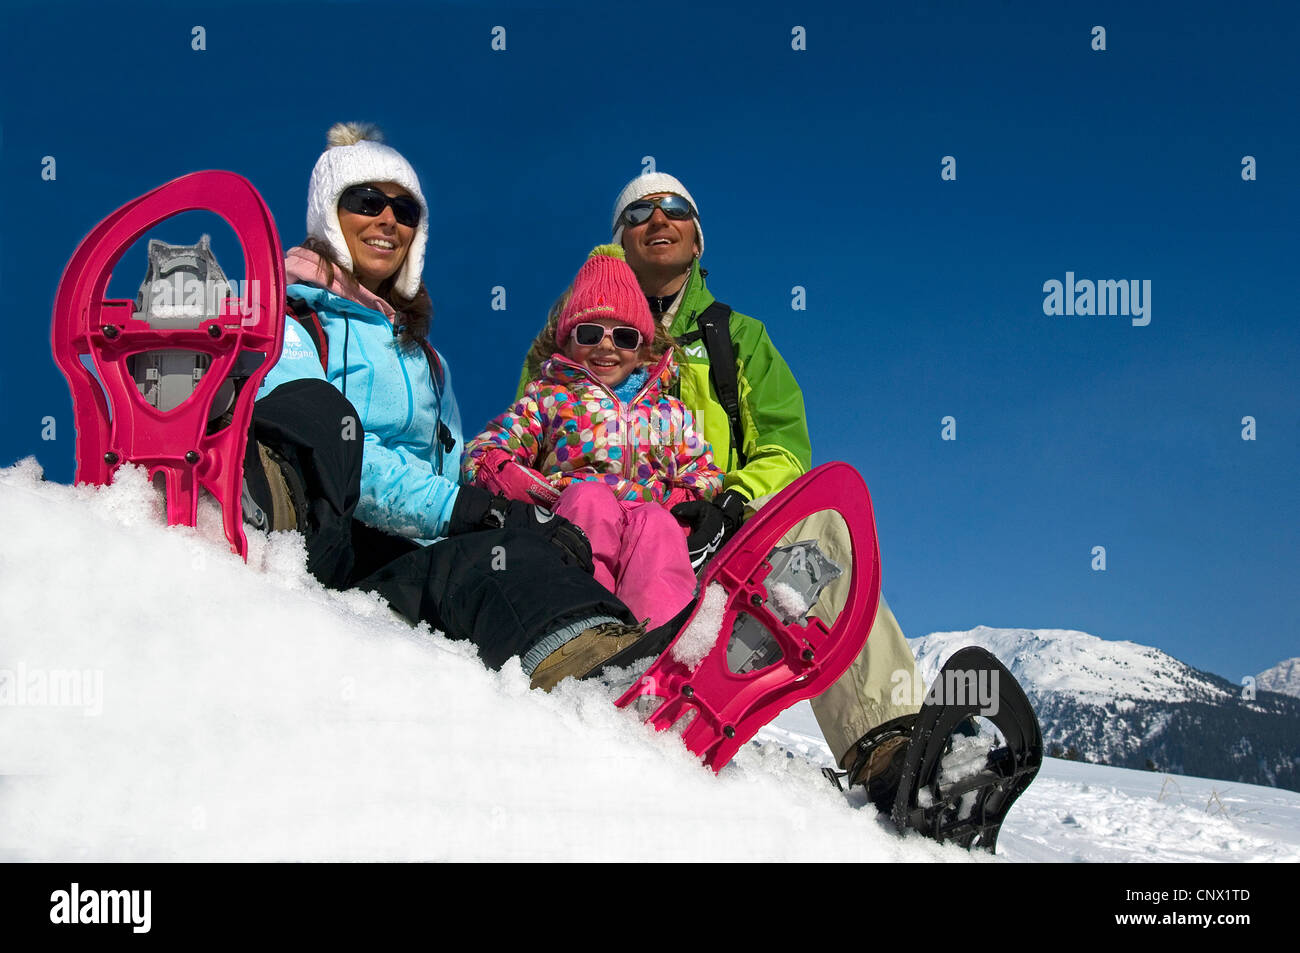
[(639, 550)]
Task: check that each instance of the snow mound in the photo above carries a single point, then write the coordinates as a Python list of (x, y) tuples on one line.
[(161, 700), (177, 704)]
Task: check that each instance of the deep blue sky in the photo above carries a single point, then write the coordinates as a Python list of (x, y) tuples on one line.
[(818, 168)]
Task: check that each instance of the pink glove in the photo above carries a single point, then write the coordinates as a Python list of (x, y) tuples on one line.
[(500, 473), (680, 494)]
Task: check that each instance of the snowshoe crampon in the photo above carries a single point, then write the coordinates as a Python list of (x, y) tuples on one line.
[(956, 785), (752, 646), (148, 382)]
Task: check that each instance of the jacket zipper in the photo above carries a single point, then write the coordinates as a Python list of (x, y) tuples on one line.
[(622, 413)]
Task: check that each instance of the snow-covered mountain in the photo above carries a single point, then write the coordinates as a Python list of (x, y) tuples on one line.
[(1131, 705), (1284, 677), (162, 700), (1090, 669)]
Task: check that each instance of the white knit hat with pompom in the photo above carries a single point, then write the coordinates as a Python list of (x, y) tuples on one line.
[(356, 155)]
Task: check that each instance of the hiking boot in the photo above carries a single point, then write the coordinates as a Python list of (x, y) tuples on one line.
[(279, 500), (586, 652), (878, 760)]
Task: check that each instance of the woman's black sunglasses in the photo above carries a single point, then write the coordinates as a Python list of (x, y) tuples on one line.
[(673, 206), (368, 200)]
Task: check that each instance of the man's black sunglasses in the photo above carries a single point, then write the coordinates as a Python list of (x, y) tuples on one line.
[(673, 206)]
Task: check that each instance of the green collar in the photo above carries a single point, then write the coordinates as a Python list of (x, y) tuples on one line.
[(695, 298)]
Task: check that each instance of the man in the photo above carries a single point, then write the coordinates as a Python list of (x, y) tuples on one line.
[(658, 223)]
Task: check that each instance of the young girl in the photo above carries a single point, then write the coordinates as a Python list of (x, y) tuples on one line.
[(599, 432)]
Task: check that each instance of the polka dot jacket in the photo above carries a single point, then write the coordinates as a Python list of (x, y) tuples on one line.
[(570, 427)]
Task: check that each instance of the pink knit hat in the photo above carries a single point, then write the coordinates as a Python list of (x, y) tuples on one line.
[(605, 288)]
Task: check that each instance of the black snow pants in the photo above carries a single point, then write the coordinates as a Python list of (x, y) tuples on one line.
[(501, 589)]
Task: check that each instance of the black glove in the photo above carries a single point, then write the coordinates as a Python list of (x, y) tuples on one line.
[(477, 509), (711, 523)]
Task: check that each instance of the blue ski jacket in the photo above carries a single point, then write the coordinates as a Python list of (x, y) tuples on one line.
[(409, 482)]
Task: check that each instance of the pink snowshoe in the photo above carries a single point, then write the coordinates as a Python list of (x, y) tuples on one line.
[(733, 676), (111, 352)]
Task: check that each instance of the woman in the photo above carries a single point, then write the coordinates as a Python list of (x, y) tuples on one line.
[(358, 434), (358, 273)]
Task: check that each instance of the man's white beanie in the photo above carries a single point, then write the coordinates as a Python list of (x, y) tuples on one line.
[(356, 155), (652, 183)]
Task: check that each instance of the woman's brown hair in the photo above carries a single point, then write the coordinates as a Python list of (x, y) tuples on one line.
[(414, 315)]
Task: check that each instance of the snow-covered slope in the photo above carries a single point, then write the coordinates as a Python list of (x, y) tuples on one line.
[(175, 703), (159, 699)]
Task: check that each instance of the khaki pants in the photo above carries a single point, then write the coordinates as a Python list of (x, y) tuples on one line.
[(860, 700)]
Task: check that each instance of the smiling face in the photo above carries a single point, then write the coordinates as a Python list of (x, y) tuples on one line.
[(378, 245), (660, 248), (606, 363)]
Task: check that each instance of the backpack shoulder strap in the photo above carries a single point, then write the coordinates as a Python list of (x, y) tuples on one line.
[(439, 380), (715, 329), (299, 309), (435, 363)]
